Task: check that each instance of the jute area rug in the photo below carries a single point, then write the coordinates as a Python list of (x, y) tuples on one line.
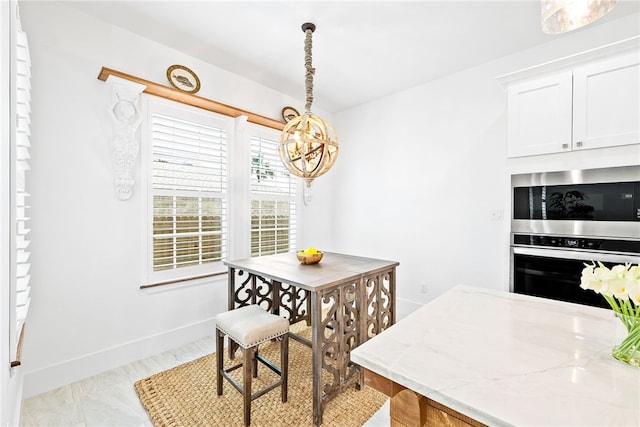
[(185, 396)]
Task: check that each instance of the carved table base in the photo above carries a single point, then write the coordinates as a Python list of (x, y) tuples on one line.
[(342, 315)]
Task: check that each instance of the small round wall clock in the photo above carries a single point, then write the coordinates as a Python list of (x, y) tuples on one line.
[(289, 113), (182, 78)]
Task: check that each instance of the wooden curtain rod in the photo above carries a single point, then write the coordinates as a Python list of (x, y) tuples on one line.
[(193, 100)]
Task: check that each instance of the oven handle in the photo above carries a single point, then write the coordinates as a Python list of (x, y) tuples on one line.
[(578, 255)]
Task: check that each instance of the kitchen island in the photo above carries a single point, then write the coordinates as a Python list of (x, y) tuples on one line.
[(475, 356)]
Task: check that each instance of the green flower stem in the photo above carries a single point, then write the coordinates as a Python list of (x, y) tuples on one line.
[(612, 302), (625, 280), (628, 350), (632, 339)]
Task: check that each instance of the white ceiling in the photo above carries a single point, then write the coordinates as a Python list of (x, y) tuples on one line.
[(362, 50)]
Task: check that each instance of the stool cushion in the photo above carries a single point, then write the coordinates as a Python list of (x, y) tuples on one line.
[(251, 325)]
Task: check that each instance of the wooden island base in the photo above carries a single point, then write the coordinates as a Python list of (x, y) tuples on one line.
[(410, 409)]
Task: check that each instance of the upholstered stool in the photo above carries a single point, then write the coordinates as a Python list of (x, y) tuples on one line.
[(250, 326)]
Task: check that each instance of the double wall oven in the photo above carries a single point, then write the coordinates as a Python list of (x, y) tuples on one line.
[(562, 220)]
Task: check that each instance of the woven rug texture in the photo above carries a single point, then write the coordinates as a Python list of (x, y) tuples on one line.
[(185, 396)]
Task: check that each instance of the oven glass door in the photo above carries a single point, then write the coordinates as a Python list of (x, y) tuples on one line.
[(554, 278), (614, 201)]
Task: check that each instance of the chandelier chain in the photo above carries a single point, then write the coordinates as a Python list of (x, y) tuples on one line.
[(310, 71)]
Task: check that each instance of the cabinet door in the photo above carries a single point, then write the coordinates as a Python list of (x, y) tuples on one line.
[(607, 103), (539, 116)]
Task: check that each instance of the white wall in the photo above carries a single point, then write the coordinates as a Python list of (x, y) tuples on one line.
[(427, 167), (88, 314)]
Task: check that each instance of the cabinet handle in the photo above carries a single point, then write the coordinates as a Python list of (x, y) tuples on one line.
[(579, 144), (565, 146)]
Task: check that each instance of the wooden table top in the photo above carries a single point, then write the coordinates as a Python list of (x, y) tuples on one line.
[(332, 270)]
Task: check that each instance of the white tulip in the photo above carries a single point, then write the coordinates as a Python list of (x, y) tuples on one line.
[(620, 281)]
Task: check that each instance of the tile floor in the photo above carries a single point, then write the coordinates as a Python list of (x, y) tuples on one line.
[(109, 399)]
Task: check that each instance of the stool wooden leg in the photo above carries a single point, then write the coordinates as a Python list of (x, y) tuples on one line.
[(219, 360), (255, 363), (248, 354), (284, 366)]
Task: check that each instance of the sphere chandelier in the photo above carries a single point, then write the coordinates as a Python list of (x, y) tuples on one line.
[(308, 145), (560, 16)]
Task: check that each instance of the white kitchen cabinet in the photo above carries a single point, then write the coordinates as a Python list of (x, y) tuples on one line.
[(606, 103), (590, 105), (539, 116)]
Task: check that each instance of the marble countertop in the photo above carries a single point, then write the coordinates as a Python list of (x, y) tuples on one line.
[(506, 359)]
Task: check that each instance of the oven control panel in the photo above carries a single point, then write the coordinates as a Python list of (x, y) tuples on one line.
[(603, 245)]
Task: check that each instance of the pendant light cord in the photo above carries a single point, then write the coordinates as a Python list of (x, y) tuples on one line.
[(310, 71)]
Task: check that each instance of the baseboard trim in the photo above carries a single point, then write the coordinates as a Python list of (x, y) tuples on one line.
[(76, 369)]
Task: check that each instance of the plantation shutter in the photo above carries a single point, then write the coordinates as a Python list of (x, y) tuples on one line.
[(189, 185), (21, 196), (273, 200)]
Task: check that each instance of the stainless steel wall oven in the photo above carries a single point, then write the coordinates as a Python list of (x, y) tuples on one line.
[(562, 220)]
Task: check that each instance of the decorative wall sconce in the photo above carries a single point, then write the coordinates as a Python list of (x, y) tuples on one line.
[(560, 16), (124, 145), (308, 145)]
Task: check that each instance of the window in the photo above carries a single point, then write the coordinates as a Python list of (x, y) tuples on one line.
[(19, 264), (215, 189), (187, 212), (273, 200)]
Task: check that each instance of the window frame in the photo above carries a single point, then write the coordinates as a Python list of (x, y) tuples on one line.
[(153, 105), (272, 135), (18, 71), (238, 192)]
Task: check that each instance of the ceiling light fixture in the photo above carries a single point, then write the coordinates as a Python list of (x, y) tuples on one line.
[(308, 145), (560, 16)]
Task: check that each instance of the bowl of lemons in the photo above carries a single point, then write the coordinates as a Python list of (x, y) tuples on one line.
[(309, 256)]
